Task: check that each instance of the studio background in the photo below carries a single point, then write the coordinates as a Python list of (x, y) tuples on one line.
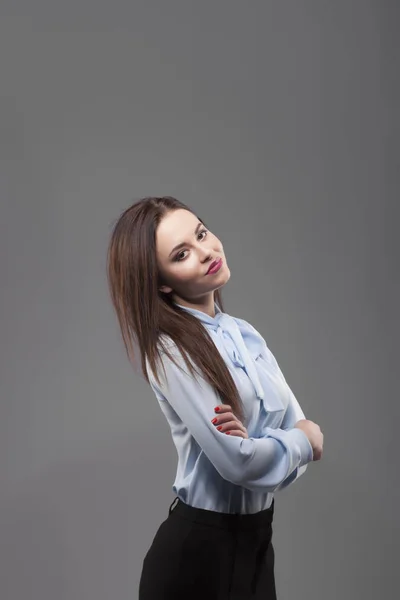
[(277, 122)]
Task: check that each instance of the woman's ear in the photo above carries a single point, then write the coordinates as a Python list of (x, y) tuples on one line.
[(165, 289)]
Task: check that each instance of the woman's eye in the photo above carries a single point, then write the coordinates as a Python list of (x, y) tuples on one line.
[(179, 256)]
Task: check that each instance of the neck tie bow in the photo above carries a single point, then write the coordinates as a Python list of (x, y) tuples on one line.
[(246, 345)]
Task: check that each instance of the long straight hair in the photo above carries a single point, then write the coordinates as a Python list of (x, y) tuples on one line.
[(145, 313)]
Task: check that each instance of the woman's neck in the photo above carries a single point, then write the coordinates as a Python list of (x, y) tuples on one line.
[(205, 305)]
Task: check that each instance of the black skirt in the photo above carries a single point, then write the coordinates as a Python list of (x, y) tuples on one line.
[(202, 554)]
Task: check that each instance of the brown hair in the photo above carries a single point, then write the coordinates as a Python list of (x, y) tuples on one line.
[(144, 313)]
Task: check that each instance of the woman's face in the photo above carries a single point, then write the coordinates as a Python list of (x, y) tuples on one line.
[(184, 269)]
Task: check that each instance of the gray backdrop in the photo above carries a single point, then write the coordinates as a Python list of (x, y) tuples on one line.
[(277, 122)]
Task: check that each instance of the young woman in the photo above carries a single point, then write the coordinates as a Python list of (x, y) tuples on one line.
[(239, 431)]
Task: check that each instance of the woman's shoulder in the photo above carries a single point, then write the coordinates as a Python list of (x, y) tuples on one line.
[(169, 352), (166, 348), (247, 326), (170, 359), (166, 345)]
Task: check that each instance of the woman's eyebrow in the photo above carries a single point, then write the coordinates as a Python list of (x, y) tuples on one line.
[(199, 224)]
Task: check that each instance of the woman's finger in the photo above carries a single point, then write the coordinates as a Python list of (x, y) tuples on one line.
[(222, 408), (229, 425), (239, 433), (225, 418), (227, 421)]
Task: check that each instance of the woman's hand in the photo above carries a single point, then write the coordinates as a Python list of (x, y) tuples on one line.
[(315, 436), (226, 422)]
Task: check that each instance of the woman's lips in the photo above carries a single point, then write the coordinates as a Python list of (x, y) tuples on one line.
[(215, 267)]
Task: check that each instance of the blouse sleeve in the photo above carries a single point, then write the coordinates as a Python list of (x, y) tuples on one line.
[(293, 414), (260, 464)]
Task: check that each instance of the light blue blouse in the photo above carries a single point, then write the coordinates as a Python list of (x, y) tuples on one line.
[(226, 473)]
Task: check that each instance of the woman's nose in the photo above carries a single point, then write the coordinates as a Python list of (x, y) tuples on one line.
[(204, 253)]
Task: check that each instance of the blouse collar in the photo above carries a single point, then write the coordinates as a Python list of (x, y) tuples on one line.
[(246, 343)]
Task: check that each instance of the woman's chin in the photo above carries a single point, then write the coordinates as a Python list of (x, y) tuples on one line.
[(225, 276)]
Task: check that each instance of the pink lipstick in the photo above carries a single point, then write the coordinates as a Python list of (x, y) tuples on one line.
[(215, 266)]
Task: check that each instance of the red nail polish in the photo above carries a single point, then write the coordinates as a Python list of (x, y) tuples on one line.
[(214, 420), (228, 433), (219, 428), (216, 409)]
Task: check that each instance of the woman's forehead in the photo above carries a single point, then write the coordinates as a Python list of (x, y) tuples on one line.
[(176, 226)]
